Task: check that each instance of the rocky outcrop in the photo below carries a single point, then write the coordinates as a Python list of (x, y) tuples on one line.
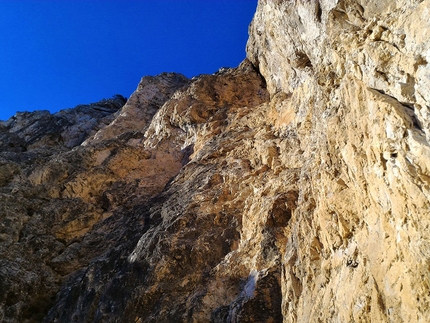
[(293, 188), (178, 238), (356, 74), (55, 188)]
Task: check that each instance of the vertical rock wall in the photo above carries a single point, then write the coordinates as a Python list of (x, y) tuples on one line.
[(356, 75), (294, 188)]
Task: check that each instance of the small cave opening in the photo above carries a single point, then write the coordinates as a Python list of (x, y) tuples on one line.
[(302, 60), (282, 209)]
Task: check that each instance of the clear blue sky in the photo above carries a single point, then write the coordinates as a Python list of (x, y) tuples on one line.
[(58, 54)]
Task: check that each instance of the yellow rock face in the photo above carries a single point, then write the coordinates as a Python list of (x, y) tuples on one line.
[(293, 188), (352, 70)]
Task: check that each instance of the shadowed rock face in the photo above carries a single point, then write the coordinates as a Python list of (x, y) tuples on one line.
[(56, 191), (163, 269), (217, 199), (65, 129)]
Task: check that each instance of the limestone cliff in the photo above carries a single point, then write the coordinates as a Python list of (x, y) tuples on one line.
[(293, 188)]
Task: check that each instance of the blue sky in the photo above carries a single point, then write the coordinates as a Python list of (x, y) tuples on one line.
[(58, 54)]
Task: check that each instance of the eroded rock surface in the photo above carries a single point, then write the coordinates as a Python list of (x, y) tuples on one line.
[(56, 190), (293, 188), (354, 73)]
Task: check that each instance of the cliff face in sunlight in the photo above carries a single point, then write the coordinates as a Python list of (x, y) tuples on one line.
[(293, 188)]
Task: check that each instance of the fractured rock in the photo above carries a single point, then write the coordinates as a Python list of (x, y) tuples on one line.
[(292, 188)]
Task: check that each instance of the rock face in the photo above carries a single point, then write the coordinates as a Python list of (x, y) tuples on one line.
[(357, 77), (293, 188)]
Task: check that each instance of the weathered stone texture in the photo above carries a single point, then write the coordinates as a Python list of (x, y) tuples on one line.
[(357, 76), (294, 188)]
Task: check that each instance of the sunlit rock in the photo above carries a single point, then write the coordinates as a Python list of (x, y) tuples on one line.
[(293, 188)]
